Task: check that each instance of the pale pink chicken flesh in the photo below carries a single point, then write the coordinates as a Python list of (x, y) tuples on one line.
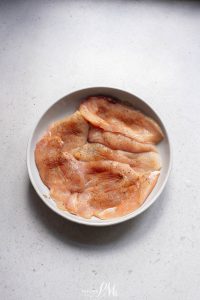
[(104, 188), (72, 130), (118, 141), (147, 161), (92, 172), (109, 115)]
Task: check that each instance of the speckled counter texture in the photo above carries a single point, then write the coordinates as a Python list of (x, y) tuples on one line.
[(50, 48)]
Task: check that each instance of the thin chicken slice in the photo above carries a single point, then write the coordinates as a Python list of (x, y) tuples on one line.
[(73, 131), (142, 162), (109, 115), (104, 181), (133, 197), (118, 141), (114, 189), (59, 173), (88, 188)]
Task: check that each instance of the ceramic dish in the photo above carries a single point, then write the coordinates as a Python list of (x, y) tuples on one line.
[(66, 106)]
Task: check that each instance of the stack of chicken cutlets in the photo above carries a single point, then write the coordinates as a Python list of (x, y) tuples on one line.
[(102, 160)]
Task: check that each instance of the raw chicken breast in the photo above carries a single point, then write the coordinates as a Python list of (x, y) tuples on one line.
[(148, 161), (73, 131), (111, 189), (100, 179), (111, 116), (118, 141), (107, 171), (58, 173), (133, 197), (90, 188)]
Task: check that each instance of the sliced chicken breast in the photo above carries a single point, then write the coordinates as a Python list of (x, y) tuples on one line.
[(109, 115), (73, 131), (89, 188), (118, 141), (143, 162)]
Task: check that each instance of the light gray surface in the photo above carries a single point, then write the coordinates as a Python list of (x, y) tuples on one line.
[(50, 48)]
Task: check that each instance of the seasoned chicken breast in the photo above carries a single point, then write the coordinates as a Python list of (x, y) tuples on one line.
[(118, 141), (105, 113), (148, 161), (89, 188), (57, 172), (101, 161), (72, 130)]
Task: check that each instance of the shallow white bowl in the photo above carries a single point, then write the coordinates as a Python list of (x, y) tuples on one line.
[(66, 106)]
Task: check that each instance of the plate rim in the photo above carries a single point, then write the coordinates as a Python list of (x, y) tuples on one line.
[(90, 222)]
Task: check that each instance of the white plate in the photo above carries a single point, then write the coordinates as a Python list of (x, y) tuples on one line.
[(66, 106)]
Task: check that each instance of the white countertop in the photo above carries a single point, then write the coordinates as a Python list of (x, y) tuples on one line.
[(50, 48)]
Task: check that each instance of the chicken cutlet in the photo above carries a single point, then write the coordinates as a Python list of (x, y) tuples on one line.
[(149, 161), (109, 115), (53, 165), (107, 171), (114, 189), (89, 188), (72, 130), (118, 141), (133, 196)]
